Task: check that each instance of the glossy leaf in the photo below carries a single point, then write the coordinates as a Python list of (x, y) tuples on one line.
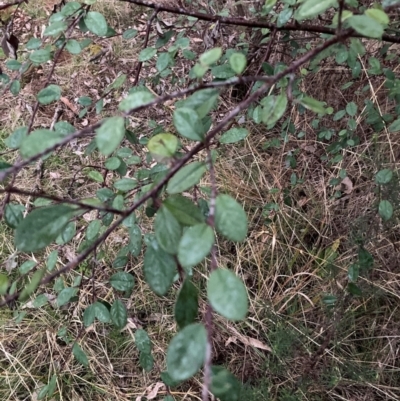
[(13, 214), (49, 94), (147, 54), (122, 281), (202, 101), (41, 227), (168, 230), (79, 355), (184, 210), (110, 135), (186, 307), (136, 99), (38, 141), (227, 294), (119, 315), (142, 341), (186, 352), (365, 25), (65, 295), (384, 176), (159, 268), (96, 23), (186, 177), (274, 108), (163, 146), (234, 135), (195, 244), (230, 218), (312, 8), (385, 210), (188, 123), (238, 62), (40, 56)]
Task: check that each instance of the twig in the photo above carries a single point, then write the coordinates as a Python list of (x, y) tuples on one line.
[(255, 23)]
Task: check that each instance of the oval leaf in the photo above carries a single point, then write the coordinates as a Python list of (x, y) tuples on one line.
[(41, 227), (49, 94), (110, 135), (186, 352), (119, 315), (234, 135), (96, 23), (168, 231), (230, 218), (188, 123), (227, 294), (195, 244), (186, 177)]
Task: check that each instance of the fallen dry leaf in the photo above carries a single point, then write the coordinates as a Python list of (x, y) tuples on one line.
[(153, 393)]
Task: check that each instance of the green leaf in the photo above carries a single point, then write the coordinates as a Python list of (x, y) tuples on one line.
[(112, 163), (238, 62), (64, 128), (384, 176), (32, 286), (41, 227), (4, 283), (195, 244), (15, 87), (186, 177), (95, 176), (13, 214), (49, 94), (184, 210), (65, 295), (79, 355), (211, 56), (93, 229), (146, 361), (164, 60), (186, 352), (33, 44), (142, 341), (163, 146), (136, 99), (13, 65), (38, 141), (96, 23), (40, 56), (202, 101), (366, 26), (122, 281), (188, 123), (353, 289), (187, 305), (378, 15), (89, 315), (227, 294), (224, 384), (395, 126), (67, 233), (168, 230), (73, 46), (27, 266), (365, 259), (313, 104), (385, 210), (312, 8), (51, 260), (230, 218), (119, 315), (125, 184), (101, 312), (129, 34), (159, 268), (135, 240), (284, 16), (147, 54), (234, 135), (110, 135), (351, 109), (15, 139), (274, 108), (52, 385), (55, 28)]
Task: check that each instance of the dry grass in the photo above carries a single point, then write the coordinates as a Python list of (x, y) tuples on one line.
[(293, 346)]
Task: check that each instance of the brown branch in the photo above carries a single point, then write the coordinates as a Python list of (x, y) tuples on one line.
[(15, 3), (39, 194), (146, 41), (251, 23)]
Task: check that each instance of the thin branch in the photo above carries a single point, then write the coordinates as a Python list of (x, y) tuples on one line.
[(146, 41), (39, 194), (252, 23), (15, 3)]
